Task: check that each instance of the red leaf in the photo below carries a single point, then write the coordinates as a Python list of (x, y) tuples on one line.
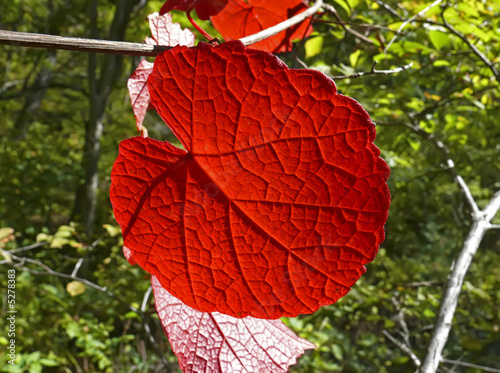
[(280, 200), (138, 91), (204, 8), (163, 32), (213, 342), (241, 18)]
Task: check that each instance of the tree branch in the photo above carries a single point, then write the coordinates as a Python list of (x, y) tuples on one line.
[(252, 39), (133, 49), (373, 72), (403, 348), (454, 284), (25, 39)]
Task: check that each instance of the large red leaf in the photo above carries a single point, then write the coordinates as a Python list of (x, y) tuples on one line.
[(163, 32), (213, 342), (280, 199), (242, 18), (204, 8)]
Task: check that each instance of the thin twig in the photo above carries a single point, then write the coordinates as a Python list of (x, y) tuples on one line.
[(331, 9), (483, 58), (29, 247), (403, 25), (389, 9), (77, 267), (26, 39), (450, 165), (50, 271), (145, 299), (404, 348), (152, 339), (469, 365), (264, 34), (373, 71)]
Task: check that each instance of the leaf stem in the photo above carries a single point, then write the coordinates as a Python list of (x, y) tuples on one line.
[(205, 34)]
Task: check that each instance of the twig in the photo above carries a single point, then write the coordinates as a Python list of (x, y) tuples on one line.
[(29, 247), (145, 299), (331, 9), (450, 165), (404, 348), (469, 365), (148, 329), (77, 267), (26, 39), (494, 226), (252, 39), (485, 59), (421, 283), (373, 72), (50, 271), (454, 284), (403, 25), (389, 9)]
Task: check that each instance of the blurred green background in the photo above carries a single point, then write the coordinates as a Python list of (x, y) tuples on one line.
[(63, 113)]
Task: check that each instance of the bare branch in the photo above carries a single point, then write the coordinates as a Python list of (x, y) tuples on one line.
[(252, 39), (26, 39), (373, 72), (454, 284), (50, 271), (29, 247), (403, 25), (404, 348)]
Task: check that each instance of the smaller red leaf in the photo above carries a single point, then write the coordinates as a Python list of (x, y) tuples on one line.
[(138, 91), (204, 8), (163, 32), (213, 342), (242, 18)]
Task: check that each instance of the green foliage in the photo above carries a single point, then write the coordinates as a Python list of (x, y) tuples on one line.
[(449, 94)]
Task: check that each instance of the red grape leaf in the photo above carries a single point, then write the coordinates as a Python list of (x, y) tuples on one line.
[(204, 8), (163, 32), (213, 342), (280, 199), (240, 18)]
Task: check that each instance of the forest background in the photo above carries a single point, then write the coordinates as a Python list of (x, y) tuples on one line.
[(62, 113)]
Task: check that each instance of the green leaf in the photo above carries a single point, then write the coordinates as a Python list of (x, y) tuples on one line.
[(354, 57), (75, 288), (439, 39), (313, 46)]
